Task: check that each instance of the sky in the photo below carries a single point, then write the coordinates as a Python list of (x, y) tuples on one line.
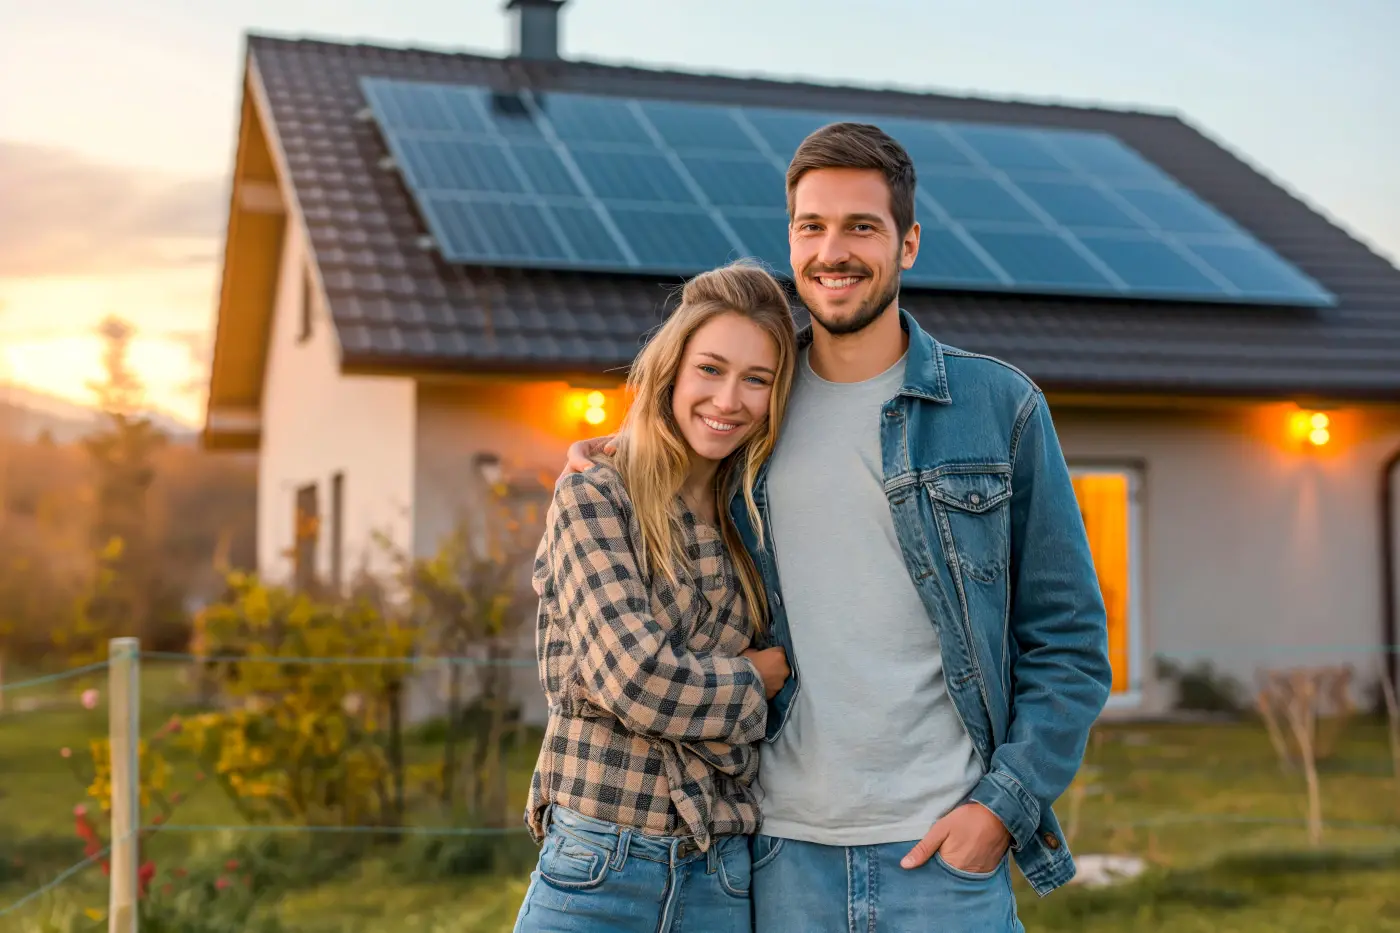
[(118, 120)]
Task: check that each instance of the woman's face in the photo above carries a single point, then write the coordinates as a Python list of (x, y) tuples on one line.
[(723, 384)]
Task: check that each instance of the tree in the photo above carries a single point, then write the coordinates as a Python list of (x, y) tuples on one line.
[(132, 598)]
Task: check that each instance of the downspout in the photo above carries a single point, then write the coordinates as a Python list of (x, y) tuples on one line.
[(1390, 625)]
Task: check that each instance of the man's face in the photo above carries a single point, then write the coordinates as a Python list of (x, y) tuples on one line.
[(846, 251)]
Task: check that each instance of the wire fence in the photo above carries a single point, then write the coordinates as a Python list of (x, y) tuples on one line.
[(444, 761)]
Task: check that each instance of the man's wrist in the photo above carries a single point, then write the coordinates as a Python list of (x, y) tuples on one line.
[(1017, 811)]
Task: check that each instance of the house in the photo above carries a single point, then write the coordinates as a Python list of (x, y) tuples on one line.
[(442, 263)]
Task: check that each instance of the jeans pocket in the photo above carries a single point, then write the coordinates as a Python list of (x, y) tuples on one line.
[(573, 863), (764, 850), (735, 866), (963, 874)]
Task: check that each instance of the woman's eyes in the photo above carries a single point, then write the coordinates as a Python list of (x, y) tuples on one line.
[(711, 370)]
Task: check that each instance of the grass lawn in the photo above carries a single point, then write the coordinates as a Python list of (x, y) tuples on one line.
[(1207, 806)]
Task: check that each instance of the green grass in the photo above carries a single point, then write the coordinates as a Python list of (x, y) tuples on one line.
[(1218, 821)]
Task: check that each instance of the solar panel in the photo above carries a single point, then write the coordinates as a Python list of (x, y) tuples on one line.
[(738, 181), (1255, 271), (575, 181), (695, 126), (670, 238), (1152, 266), (500, 230), (631, 176), (544, 170), (1010, 149), (976, 198), (459, 165), (946, 259), (1041, 259), (1103, 157), (1176, 211), (927, 143), (784, 130), (576, 118), (583, 229), (1074, 204), (763, 234), (464, 107)]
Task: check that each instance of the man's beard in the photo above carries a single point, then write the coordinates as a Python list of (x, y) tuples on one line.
[(865, 315)]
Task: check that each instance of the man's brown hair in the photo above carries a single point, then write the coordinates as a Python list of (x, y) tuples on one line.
[(858, 145)]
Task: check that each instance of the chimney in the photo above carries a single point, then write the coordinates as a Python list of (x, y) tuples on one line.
[(536, 28)]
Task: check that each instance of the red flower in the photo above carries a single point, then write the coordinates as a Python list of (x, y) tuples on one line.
[(231, 865), (144, 874), (221, 884)]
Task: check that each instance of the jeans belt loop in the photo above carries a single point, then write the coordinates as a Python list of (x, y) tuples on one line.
[(624, 842), (712, 859)]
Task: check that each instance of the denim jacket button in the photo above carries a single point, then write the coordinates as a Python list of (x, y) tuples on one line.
[(974, 498), (1052, 840)]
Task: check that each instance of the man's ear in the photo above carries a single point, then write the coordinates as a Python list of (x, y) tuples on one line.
[(909, 247)]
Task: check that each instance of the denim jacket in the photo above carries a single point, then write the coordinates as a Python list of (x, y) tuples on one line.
[(993, 538)]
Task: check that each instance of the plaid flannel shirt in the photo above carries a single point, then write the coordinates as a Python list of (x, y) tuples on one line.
[(654, 717)]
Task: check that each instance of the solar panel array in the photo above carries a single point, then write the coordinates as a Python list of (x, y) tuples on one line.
[(573, 181)]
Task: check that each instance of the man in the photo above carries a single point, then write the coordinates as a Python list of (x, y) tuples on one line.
[(930, 579)]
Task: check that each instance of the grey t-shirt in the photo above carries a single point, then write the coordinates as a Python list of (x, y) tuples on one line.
[(873, 751)]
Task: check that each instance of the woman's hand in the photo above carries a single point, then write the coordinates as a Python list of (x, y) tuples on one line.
[(772, 666), (581, 453)]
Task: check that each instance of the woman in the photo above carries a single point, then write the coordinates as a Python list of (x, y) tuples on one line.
[(642, 795)]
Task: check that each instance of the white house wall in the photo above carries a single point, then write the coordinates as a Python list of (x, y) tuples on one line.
[(523, 423), (316, 422), (1254, 551)]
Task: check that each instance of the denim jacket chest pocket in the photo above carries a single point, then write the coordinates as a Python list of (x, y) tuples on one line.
[(971, 506)]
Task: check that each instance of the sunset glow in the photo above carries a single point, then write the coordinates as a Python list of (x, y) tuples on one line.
[(65, 366), (48, 343)]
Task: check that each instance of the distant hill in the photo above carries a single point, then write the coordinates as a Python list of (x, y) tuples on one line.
[(26, 414)]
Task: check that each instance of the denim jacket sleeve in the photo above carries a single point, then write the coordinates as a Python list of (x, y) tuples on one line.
[(1060, 675)]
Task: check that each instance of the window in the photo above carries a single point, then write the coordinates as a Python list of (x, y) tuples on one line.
[(308, 292), (308, 532), (337, 532), (1108, 500)]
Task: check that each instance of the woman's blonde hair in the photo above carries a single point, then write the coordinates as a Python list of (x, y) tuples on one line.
[(652, 455)]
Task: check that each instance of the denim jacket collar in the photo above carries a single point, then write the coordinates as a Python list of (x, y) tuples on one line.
[(924, 373)]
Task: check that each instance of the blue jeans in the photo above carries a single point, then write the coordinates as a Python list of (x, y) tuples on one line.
[(802, 887), (594, 876)]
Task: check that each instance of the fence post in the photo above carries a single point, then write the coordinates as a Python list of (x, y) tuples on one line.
[(124, 732)]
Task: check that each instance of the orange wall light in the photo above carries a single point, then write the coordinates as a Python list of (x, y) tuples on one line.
[(588, 406), (1314, 427)]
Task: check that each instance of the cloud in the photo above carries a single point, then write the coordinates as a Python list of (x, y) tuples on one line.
[(62, 214)]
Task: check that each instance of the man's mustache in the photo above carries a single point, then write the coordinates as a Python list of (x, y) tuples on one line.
[(844, 269)]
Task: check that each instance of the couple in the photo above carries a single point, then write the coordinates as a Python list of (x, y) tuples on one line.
[(892, 597)]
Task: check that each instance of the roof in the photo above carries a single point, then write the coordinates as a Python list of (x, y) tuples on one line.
[(398, 308)]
